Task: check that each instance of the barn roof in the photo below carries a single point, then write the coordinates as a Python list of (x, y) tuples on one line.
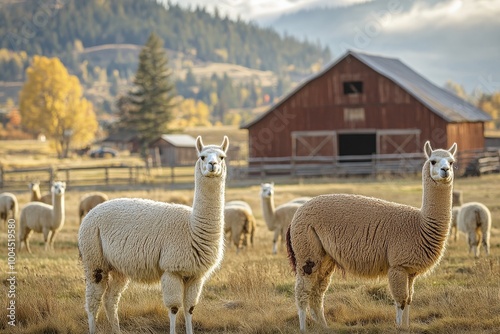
[(179, 140), (447, 105)]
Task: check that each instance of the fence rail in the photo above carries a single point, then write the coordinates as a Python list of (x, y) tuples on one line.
[(19, 178), (470, 163)]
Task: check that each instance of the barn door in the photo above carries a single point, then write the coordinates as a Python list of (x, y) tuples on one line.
[(314, 144), (398, 141)]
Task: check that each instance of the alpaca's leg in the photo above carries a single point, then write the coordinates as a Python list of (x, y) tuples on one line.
[(302, 295), (51, 240), (27, 235), (319, 288), (173, 290), (398, 283), (117, 283), (96, 286), (486, 243), (46, 235), (476, 243), (192, 292), (406, 311), (275, 240)]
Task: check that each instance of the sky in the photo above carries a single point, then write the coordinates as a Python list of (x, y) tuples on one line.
[(456, 40), (260, 10)]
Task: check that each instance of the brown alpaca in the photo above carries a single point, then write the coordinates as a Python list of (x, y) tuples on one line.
[(369, 237), (90, 201)]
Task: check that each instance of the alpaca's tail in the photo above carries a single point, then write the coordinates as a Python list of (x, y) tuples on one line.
[(291, 253)]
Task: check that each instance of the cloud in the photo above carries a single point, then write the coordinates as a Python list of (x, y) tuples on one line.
[(258, 9), (444, 13)]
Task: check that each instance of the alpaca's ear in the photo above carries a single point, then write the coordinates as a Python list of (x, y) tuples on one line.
[(199, 144), (453, 149), (427, 149), (225, 144)]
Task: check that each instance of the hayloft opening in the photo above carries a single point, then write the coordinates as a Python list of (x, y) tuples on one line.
[(357, 144), (353, 87)]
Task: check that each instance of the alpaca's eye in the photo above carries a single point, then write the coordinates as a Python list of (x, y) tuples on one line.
[(222, 158), (451, 163), (202, 158), (433, 162)]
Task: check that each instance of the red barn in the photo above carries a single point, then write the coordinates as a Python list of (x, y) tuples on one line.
[(365, 104)]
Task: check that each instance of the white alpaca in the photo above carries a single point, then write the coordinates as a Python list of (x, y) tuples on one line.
[(90, 201), (36, 195), (370, 237), (239, 222), (147, 241), (43, 218), (8, 205), (277, 219), (474, 219)]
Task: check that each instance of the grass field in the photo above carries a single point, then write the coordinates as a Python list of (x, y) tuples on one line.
[(252, 292)]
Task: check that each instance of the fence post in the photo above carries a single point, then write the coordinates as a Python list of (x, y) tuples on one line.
[(51, 175), (1, 176), (106, 174)]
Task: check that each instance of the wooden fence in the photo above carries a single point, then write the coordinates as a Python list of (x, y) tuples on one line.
[(109, 175), (469, 163)]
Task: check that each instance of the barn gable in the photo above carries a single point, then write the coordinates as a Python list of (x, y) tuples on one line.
[(363, 104)]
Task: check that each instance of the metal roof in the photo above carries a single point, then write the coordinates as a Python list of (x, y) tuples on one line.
[(180, 140), (442, 102)]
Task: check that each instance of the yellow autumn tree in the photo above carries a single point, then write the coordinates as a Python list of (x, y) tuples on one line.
[(51, 102), (190, 112)]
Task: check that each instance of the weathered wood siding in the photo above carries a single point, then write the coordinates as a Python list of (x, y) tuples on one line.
[(320, 104)]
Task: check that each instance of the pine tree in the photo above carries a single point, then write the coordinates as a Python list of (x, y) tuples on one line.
[(152, 94)]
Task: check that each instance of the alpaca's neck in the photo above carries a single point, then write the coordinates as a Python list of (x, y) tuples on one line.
[(57, 210), (36, 195), (436, 201), (208, 205), (268, 211)]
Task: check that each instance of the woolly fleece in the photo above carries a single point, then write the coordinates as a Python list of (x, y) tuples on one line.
[(369, 237), (43, 218), (147, 241), (474, 219), (90, 201), (277, 219), (8, 204)]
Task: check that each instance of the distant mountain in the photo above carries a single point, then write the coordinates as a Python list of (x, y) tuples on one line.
[(441, 39), (55, 28)]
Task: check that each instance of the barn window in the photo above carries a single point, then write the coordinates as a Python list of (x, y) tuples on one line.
[(353, 87), (354, 114)]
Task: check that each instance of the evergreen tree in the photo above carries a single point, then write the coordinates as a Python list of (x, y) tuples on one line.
[(152, 94)]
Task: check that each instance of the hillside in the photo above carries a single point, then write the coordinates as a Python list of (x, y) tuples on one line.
[(243, 65), (61, 28)]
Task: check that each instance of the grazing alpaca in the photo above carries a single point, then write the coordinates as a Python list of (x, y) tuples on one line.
[(456, 203), (370, 237), (8, 204), (474, 219), (90, 201), (277, 219), (147, 241), (239, 222), (36, 196), (43, 218)]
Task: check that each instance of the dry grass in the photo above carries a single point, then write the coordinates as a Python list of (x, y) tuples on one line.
[(253, 291)]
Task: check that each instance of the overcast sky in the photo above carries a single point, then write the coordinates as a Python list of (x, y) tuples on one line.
[(264, 9), (443, 39), (256, 10)]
